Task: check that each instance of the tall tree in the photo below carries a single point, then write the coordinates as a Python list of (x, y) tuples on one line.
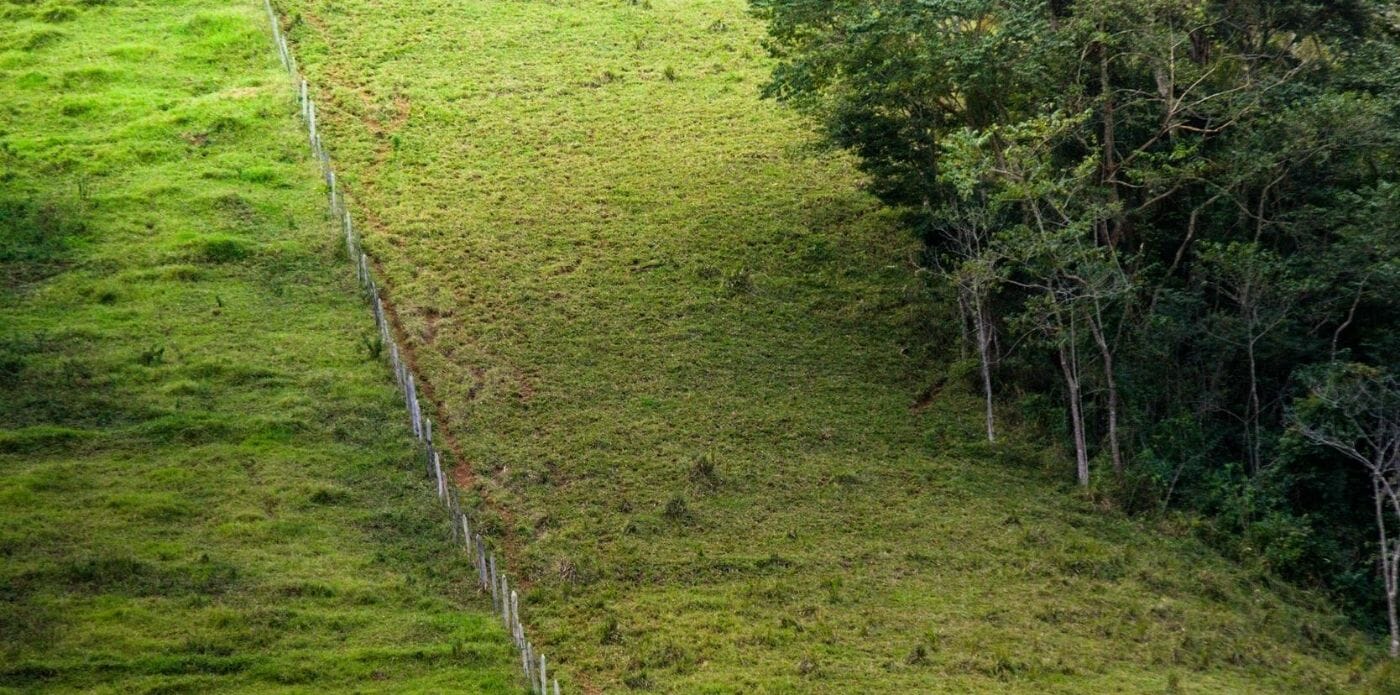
[(1354, 410)]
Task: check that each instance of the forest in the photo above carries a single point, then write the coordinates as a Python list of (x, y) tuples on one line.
[(1171, 229)]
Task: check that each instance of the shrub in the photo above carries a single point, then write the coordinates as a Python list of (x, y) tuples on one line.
[(610, 633), (221, 249), (151, 356), (41, 38), (677, 510), (58, 13), (703, 470), (738, 282), (374, 345)]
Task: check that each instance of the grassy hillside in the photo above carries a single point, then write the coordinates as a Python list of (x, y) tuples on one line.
[(681, 361), (206, 484)]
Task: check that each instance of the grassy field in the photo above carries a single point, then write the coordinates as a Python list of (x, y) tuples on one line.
[(686, 375), (206, 483)]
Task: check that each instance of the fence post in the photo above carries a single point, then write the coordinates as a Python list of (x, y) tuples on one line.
[(383, 319), (481, 560), (506, 593), (349, 233), (413, 403), (330, 181), (514, 625), (311, 122), (495, 605), (505, 597), (441, 478)]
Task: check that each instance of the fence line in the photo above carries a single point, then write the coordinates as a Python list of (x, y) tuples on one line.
[(491, 576)]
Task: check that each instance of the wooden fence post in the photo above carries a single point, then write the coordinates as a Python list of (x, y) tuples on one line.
[(495, 587)]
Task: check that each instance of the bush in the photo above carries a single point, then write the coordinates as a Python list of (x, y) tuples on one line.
[(677, 510), (221, 249)]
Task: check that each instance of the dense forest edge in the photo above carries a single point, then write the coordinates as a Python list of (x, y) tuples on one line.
[(1172, 232)]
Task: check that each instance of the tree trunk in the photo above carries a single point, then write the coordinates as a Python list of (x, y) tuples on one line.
[(1389, 563), (1108, 168), (964, 315), (1390, 611), (1252, 422), (1115, 451), (1070, 366), (1111, 382), (984, 353)]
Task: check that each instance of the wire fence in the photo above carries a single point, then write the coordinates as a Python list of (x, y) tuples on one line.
[(491, 575)]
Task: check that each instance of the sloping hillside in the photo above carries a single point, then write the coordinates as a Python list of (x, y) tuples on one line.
[(681, 361), (206, 484)]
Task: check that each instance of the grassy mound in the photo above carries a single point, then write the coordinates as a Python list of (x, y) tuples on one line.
[(206, 483), (682, 360)]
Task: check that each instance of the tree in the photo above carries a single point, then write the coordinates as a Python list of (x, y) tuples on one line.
[(1354, 410), (1255, 283), (974, 272), (967, 222), (1053, 249)]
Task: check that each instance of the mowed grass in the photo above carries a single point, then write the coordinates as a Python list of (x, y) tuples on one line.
[(206, 483), (679, 358)]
